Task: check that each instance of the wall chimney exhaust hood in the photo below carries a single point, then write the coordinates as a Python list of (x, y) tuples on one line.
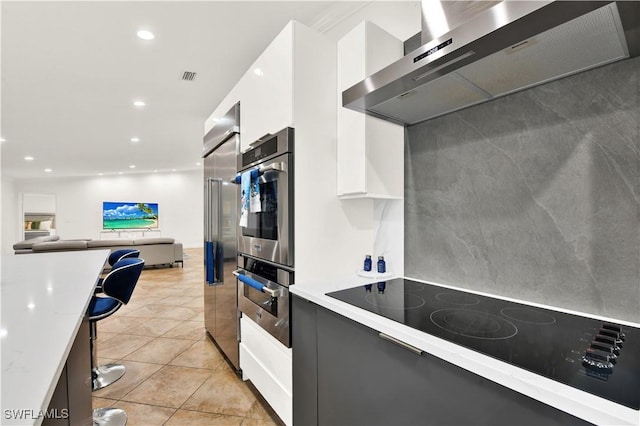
[(476, 51)]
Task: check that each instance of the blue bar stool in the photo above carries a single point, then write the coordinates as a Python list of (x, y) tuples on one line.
[(117, 288), (118, 255), (114, 258)]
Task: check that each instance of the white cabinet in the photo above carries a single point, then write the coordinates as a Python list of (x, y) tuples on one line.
[(267, 363), (370, 151), (267, 90)]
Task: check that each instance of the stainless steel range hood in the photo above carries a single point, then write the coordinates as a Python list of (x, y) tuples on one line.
[(489, 49)]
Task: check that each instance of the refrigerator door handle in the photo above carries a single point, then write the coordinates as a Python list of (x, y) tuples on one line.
[(212, 202), (207, 214), (214, 250), (209, 250)]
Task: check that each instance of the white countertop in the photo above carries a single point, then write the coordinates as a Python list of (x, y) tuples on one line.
[(571, 400), (44, 298)]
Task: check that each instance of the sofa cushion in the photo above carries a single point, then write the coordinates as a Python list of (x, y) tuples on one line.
[(63, 245), (153, 240), (109, 243), (27, 244)]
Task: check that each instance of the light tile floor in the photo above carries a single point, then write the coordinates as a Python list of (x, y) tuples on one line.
[(175, 374)]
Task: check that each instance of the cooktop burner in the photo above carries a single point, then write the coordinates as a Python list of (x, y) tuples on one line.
[(530, 316), (458, 299), (597, 357), (476, 324), (412, 302)]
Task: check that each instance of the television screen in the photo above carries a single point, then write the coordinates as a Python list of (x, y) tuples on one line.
[(129, 215)]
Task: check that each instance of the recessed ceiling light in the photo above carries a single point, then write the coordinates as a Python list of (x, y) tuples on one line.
[(29, 158), (197, 164), (48, 170), (3, 140), (258, 72), (155, 171), (135, 140), (100, 174), (139, 104), (133, 166), (145, 35), (173, 170), (119, 173)]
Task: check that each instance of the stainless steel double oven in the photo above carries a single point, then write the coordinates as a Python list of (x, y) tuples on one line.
[(265, 243)]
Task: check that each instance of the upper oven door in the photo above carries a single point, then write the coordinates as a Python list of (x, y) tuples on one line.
[(268, 234)]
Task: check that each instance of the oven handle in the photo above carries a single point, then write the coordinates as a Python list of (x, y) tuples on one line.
[(277, 166), (255, 284)]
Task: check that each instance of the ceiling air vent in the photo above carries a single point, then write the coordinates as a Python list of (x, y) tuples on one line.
[(188, 76)]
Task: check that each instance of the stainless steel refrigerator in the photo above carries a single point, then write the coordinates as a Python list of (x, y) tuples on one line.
[(221, 205)]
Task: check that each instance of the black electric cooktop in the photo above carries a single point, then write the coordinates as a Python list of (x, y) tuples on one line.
[(598, 357)]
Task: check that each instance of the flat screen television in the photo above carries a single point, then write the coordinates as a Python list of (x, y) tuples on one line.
[(129, 215)]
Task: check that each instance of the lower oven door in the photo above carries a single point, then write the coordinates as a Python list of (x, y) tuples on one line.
[(266, 303)]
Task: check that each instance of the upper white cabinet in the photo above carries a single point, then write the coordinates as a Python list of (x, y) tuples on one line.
[(267, 90), (282, 87), (370, 151)]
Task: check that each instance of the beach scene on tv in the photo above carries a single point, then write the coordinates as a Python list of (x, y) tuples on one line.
[(129, 215)]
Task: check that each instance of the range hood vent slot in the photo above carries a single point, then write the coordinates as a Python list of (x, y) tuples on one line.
[(468, 75)]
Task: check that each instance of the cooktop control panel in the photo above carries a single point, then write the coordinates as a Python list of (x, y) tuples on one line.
[(603, 351), (601, 358)]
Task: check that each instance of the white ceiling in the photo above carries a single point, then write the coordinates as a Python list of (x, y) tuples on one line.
[(71, 71)]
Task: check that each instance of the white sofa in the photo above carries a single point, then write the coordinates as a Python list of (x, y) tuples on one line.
[(154, 250)]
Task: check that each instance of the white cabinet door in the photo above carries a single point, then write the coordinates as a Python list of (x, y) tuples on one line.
[(267, 90), (370, 151), (232, 98), (268, 364)]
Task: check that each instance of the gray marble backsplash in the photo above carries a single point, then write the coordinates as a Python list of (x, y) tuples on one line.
[(534, 196)]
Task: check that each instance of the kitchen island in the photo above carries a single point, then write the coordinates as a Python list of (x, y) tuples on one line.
[(44, 333), (386, 371)]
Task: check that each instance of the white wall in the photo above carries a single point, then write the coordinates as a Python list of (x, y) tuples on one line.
[(389, 234), (79, 202), (10, 219)]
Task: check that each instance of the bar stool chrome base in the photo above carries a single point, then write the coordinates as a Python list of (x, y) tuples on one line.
[(104, 375), (109, 417)]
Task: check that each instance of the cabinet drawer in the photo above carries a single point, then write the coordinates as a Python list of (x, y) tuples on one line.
[(267, 363)]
